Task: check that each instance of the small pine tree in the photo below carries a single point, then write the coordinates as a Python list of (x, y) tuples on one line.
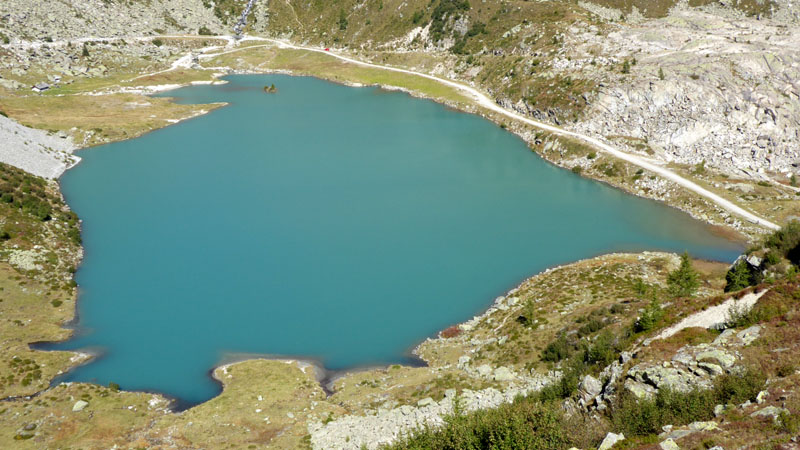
[(793, 180), (739, 277), (683, 281), (640, 287), (626, 66), (85, 51), (661, 73), (342, 20), (651, 315)]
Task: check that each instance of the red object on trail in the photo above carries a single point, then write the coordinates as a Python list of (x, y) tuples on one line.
[(327, 49)]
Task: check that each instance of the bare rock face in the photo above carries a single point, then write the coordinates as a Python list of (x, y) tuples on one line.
[(704, 90)]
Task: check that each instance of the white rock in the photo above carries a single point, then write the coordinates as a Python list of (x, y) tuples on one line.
[(669, 444), (610, 440), (503, 374), (425, 401), (79, 405)]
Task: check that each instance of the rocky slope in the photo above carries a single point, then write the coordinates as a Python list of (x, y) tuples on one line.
[(703, 89), (35, 151)]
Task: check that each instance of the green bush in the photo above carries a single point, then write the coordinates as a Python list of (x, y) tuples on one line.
[(440, 14), (785, 239), (739, 388), (523, 424), (642, 417), (602, 351), (738, 277), (593, 325), (558, 350)]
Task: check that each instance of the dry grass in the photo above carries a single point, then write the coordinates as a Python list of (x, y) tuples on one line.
[(97, 119)]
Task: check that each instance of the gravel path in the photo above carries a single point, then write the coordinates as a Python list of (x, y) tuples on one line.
[(713, 316)]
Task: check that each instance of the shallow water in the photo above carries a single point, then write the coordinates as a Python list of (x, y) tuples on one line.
[(327, 222)]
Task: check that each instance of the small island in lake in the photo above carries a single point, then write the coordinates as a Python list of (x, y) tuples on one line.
[(271, 89)]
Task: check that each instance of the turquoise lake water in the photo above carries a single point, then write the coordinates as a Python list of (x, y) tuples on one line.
[(326, 222)]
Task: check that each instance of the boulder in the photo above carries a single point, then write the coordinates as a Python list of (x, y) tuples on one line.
[(669, 444), (770, 411), (722, 358), (79, 405), (589, 388), (610, 440), (749, 335), (484, 370), (703, 426), (640, 390), (711, 368), (425, 402), (503, 374)]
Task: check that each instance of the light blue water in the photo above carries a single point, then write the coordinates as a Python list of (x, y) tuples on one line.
[(343, 224)]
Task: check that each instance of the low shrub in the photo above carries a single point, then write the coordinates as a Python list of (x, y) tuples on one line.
[(738, 388), (525, 423), (558, 350), (451, 332), (641, 417)]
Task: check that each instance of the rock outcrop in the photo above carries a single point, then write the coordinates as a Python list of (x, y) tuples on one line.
[(692, 367)]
